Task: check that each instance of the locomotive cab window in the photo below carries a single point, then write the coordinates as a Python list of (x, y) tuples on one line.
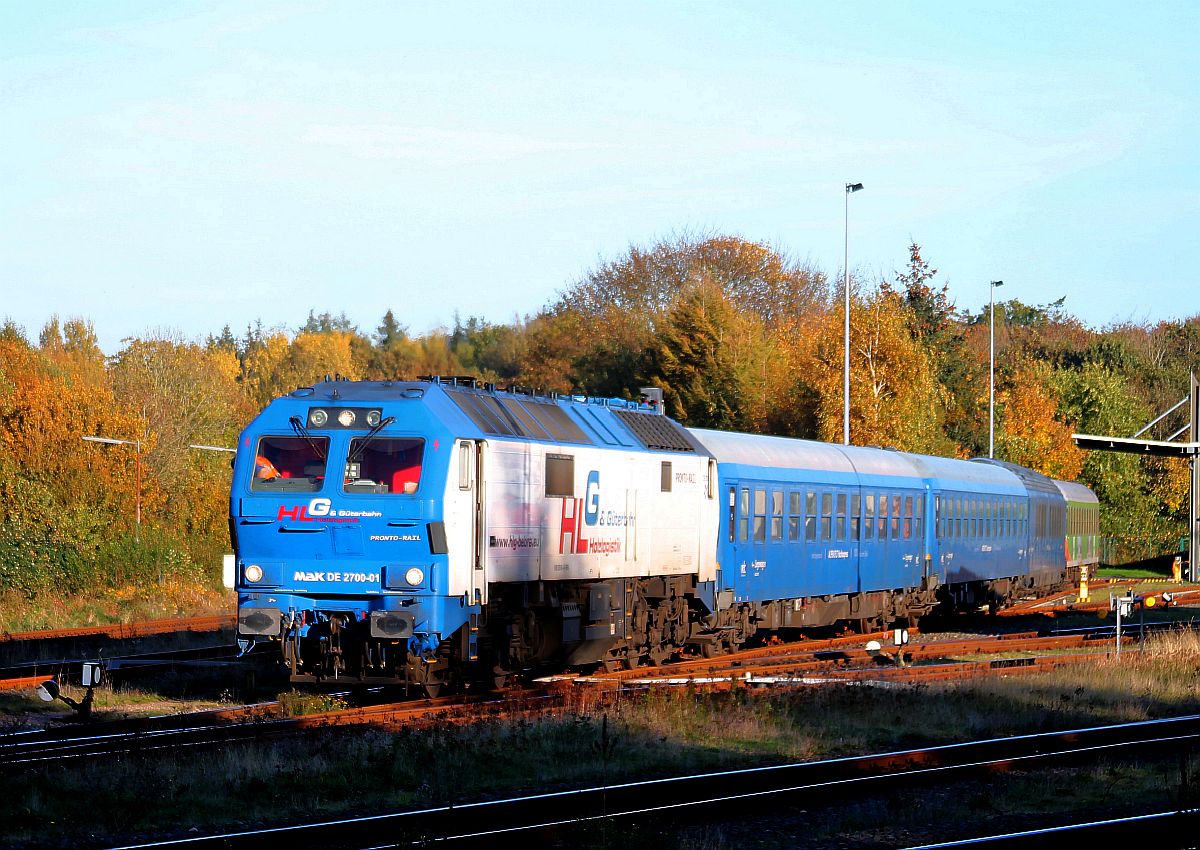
[(384, 465), (289, 464)]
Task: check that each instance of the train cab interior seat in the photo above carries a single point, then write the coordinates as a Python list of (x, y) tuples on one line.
[(404, 479)]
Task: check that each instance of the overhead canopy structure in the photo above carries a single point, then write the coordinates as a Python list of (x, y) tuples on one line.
[(1190, 449), (1161, 448)]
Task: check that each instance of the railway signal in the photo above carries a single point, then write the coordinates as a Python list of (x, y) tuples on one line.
[(92, 673)]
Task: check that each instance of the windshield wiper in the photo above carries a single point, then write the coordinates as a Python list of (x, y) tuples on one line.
[(366, 438), (301, 431)]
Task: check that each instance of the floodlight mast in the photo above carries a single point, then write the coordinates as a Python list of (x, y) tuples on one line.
[(851, 188)]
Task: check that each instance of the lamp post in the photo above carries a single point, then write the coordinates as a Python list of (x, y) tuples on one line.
[(851, 188), (137, 533), (992, 367)]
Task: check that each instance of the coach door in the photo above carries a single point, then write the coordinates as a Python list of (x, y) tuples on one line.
[(748, 538)]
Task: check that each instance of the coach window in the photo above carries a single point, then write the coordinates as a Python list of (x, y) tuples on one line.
[(290, 464), (776, 515), (810, 516), (855, 516), (732, 514), (908, 517), (744, 516), (895, 516), (760, 516), (839, 529), (869, 517), (384, 465), (795, 511), (881, 517), (560, 476), (919, 516), (826, 516), (665, 476)]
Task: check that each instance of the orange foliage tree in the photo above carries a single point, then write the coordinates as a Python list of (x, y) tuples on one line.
[(1030, 431)]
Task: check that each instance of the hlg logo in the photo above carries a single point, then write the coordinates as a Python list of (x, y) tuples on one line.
[(302, 513), (319, 507), (591, 498)]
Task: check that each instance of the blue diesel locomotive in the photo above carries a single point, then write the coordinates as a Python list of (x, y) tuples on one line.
[(421, 532)]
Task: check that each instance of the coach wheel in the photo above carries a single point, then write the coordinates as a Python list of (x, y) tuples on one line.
[(633, 661)]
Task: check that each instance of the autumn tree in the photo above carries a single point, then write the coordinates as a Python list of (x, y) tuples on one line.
[(698, 360), (893, 400), (183, 394), (1031, 432), (623, 302), (932, 322)]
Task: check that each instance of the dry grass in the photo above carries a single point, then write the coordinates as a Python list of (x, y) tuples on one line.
[(173, 597)]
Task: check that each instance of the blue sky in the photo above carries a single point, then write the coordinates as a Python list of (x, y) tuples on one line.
[(180, 167)]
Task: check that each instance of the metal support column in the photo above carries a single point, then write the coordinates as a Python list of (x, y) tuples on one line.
[(1194, 510)]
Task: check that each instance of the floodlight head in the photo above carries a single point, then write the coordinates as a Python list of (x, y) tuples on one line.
[(48, 691), (853, 187)]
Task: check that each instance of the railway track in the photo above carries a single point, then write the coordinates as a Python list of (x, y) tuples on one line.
[(32, 673), (848, 659), (253, 722), (716, 795)]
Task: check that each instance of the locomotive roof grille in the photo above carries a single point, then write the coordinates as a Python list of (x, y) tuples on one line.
[(656, 432), (512, 417)]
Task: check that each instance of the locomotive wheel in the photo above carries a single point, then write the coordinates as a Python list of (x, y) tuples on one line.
[(499, 677), (633, 661)]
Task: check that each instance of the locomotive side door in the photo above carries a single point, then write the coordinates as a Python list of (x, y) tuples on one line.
[(471, 486)]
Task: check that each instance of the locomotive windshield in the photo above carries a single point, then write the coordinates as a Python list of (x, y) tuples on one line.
[(384, 465), (289, 464)]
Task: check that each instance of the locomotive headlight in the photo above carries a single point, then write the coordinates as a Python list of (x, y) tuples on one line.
[(373, 418), (318, 418), (414, 576), (346, 418), (253, 573)]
